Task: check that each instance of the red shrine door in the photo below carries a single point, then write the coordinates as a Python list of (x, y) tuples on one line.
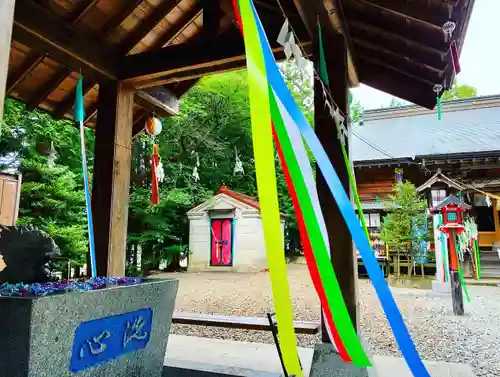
[(221, 250)]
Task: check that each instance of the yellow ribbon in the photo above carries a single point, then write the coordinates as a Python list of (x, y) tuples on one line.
[(266, 184)]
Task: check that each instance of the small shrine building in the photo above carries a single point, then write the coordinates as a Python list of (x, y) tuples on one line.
[(225, 233)]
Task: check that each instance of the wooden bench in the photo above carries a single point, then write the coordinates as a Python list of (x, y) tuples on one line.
[(235, 322)]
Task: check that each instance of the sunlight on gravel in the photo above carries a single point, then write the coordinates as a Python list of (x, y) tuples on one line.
[(438, 335)]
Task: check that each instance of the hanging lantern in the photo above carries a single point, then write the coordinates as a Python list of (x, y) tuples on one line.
[(153, 126)]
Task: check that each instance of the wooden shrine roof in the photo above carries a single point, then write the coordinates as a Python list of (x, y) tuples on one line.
[(395, 46)]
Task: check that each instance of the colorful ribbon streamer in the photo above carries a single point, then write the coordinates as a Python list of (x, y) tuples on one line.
[(460, 273), (290, 141), (376, 275), (266, 184), (79, 117)]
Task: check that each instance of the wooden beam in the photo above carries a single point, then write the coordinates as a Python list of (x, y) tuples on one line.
[(90, 113), (216, 67), (45, 91), (111, 181), (211, 18), (46, 33), (6, 21), (174, 31), (185, 57), (69, 101), (406, 55), (81, 10), (28, 64), (118, 18), (433, 13), (406, 71), (342, 253), (377, 36), (416, 70), (331, 22), (158, 14), (397, 84), (368, 15)]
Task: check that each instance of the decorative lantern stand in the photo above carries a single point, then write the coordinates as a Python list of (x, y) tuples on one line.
[(452, 210)]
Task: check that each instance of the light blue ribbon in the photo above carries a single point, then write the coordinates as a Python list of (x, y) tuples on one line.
[(384, 294)]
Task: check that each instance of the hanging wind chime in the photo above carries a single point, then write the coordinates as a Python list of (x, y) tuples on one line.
[(153, 128)]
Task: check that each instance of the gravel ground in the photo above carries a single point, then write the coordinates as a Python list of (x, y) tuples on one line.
[(438, 335)]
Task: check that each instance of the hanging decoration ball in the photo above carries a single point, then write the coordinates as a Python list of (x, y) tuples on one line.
[(153, 126)]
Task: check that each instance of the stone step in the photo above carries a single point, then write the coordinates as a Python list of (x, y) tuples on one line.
[(182, 368)]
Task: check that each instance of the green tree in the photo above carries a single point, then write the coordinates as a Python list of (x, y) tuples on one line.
[(406, 212), (459, 92), (52, 197)]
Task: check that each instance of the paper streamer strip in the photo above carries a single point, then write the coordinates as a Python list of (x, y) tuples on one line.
[(266, 185), (79, 117), (292, 145), (391, 310)]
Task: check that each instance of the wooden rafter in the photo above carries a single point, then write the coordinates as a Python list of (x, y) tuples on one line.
[(174, 31), (380, 37), (154, 64), (397, 84), (434, 13), (69, 100), (369, 15), (424, 72), (212, 14), (90, 113), (143, 29), (45, 32), (414, 58), (45, 91), (118, 18), (108, 28), (331, 18), (29, 63), (81, 10), (411, 73)]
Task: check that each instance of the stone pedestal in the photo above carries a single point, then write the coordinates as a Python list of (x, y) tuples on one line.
[(441, 287), (327, 363), (121, 331)]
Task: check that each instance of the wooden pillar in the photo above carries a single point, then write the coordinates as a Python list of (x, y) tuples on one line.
[(6, 21), (110, 186), (342, 254)]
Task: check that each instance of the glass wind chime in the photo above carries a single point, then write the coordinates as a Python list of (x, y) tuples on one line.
[(448, 29), (153, 128)]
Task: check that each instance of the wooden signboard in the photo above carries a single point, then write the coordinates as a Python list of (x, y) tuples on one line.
[(10, 191)]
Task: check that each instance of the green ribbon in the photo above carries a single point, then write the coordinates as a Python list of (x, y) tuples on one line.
[(438, 103), (460, 274), (477, 253), (79, 113)]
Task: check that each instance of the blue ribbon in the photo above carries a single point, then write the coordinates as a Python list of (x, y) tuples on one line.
[(386, 299)]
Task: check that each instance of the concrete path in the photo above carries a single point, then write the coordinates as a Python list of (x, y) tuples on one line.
[(238, 358)]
